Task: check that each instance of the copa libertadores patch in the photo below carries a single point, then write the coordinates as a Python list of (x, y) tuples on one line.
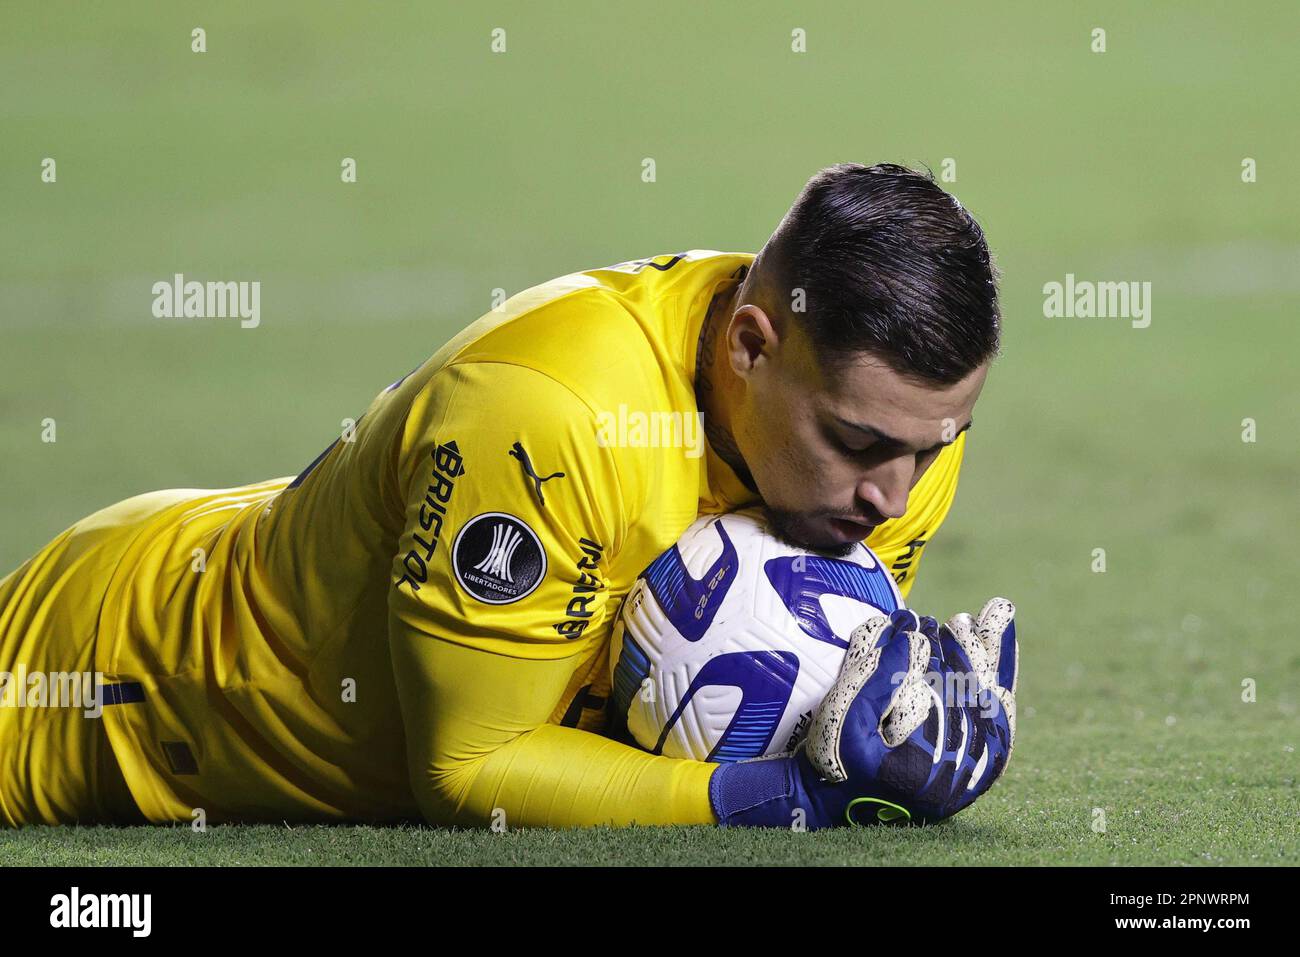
[(497, 558)]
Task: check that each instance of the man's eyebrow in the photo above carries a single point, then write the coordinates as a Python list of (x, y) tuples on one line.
[(890, 440)]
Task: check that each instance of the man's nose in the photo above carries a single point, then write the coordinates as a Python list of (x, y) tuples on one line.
[(885, 487)]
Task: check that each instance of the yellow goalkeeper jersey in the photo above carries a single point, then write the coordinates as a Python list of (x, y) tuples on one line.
[(418, 624)]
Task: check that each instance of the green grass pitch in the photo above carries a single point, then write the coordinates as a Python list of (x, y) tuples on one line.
[(1139, 741)]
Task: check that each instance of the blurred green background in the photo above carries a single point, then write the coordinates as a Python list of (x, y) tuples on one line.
[(479, 170)]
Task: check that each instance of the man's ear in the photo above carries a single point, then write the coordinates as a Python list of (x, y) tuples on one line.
[(752, 339)]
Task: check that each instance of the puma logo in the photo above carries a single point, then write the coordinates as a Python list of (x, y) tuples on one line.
[(517, 450)]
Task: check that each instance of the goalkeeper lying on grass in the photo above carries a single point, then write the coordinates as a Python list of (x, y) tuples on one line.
[(417, 625)]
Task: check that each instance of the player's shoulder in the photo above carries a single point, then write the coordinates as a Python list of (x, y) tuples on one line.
[(623, 304), (670, 275), (609, 333)]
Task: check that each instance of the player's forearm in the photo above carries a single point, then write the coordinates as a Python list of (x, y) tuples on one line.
[(481, 749), (563, 777)]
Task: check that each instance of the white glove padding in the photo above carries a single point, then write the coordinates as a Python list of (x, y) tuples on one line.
[(896, 701), (989, 641), (922, 718)]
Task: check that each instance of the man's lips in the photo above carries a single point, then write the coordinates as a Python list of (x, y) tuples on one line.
[(847, 530)]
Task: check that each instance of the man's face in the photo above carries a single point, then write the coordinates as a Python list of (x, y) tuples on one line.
[(835, 454)]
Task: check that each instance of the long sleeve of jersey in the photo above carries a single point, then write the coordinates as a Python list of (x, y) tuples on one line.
[(500, 606)]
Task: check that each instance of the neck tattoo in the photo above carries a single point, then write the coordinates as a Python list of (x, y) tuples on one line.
[(718, 438)]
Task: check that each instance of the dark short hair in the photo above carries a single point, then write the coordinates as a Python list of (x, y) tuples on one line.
[(889, 264)]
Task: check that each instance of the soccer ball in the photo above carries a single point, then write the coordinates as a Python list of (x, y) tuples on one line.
[(731, 638)]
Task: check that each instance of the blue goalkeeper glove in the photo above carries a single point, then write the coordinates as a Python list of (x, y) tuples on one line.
[(919, 724)]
